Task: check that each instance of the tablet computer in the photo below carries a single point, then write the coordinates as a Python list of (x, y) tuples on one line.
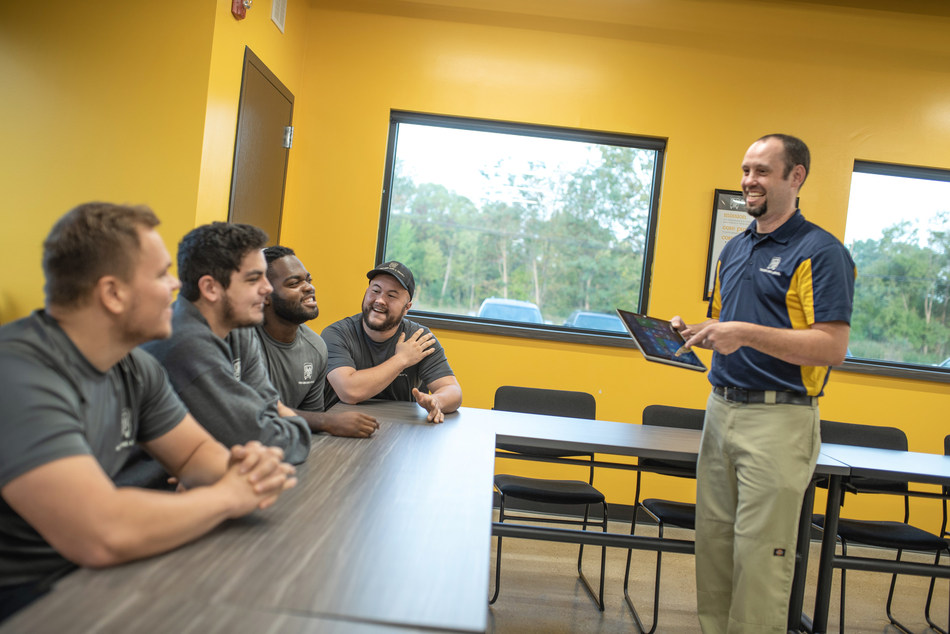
[(658, 341)]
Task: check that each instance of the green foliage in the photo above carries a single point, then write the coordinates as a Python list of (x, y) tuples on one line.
[(563, 241), (901, 295)]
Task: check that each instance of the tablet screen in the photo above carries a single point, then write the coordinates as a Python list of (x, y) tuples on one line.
[(658, 342)]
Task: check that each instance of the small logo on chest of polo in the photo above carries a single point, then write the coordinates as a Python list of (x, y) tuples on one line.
[(772, 268), (125, 421), (125, 428), (307, 371)]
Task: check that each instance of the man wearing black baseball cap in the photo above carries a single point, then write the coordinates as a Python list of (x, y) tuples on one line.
[(381, 354)]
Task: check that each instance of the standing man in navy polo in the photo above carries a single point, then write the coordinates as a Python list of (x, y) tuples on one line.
[(779, 318)]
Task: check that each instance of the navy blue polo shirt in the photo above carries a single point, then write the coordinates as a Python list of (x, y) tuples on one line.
[(794, 277)]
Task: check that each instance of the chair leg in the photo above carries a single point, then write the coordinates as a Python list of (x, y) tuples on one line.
[(930, 596), (656, 583), (890, 597), (501, 518), (844, 553), (598, 597)]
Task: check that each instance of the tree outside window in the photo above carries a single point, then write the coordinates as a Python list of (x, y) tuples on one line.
[(500, 222), (898, 233)]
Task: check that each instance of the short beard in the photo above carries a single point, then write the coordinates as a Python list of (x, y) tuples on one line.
[(291, 311), (231, 319), (757, 212), (391, 320)]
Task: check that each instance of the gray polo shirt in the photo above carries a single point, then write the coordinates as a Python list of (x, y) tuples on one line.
[(55, 404), (224, 384), (299, 369), (349, 346)]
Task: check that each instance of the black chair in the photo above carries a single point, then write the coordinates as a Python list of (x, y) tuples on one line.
[(943, 534), (663, 512), (545, 492), (898, 536)]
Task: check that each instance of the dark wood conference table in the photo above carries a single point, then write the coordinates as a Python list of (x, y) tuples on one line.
[(390, 532)]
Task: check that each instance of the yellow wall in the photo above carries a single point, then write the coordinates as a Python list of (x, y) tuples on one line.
[(127, 101), (709, 76), (283, 53), (101, 101)]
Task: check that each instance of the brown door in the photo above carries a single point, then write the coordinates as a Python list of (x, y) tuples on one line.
[(261, 148)]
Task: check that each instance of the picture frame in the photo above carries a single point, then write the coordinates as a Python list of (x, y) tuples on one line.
[(729, 218)]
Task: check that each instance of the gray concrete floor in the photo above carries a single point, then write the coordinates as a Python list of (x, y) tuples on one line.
[(540, 591)]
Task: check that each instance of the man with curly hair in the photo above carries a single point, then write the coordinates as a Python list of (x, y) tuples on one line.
[(213, 357)]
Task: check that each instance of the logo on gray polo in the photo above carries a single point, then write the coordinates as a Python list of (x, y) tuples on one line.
[(307, 371), (125, 428), (237, 369)]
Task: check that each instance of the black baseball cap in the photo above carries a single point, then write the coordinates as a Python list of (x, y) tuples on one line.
[(398, 270)]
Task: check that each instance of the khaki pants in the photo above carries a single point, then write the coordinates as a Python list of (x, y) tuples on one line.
[(754, 465)]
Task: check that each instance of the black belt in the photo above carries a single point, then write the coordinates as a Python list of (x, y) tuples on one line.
[(738, 395)]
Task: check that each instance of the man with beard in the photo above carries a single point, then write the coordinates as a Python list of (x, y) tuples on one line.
[(381, 354), (296, 356), (213, 357), (778, 319), (78, 397)]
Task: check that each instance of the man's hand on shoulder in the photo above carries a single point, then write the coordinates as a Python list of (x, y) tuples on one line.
[(415, 348), (432, 405)]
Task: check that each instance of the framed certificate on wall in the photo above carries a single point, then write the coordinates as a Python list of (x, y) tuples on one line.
[(729, 218)]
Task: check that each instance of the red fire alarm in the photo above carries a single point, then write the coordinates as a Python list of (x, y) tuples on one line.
[(239, 8)]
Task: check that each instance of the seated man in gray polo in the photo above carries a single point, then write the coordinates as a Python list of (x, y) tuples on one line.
[(78, 397), (296, 356), (381, 354), (213, 357)]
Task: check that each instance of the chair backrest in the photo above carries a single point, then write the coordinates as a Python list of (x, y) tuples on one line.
[(670, 416), (533, 400), (867, 436), (863, 435), (680, 418)]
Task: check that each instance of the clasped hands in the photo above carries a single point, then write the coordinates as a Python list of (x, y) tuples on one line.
[(262, 470)]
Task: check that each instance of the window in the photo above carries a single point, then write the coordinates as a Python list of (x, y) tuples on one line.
[(898, 233), (520, 227)]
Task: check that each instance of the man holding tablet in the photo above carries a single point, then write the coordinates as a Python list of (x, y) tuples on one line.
[(779, 317)]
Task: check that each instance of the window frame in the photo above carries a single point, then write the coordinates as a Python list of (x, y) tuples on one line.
[(897, 369), (548, 332)]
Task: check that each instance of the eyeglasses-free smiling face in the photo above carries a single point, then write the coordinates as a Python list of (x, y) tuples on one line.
[(293, 298), (151, 289), (243, 303), (765, 184), (385, 303)]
